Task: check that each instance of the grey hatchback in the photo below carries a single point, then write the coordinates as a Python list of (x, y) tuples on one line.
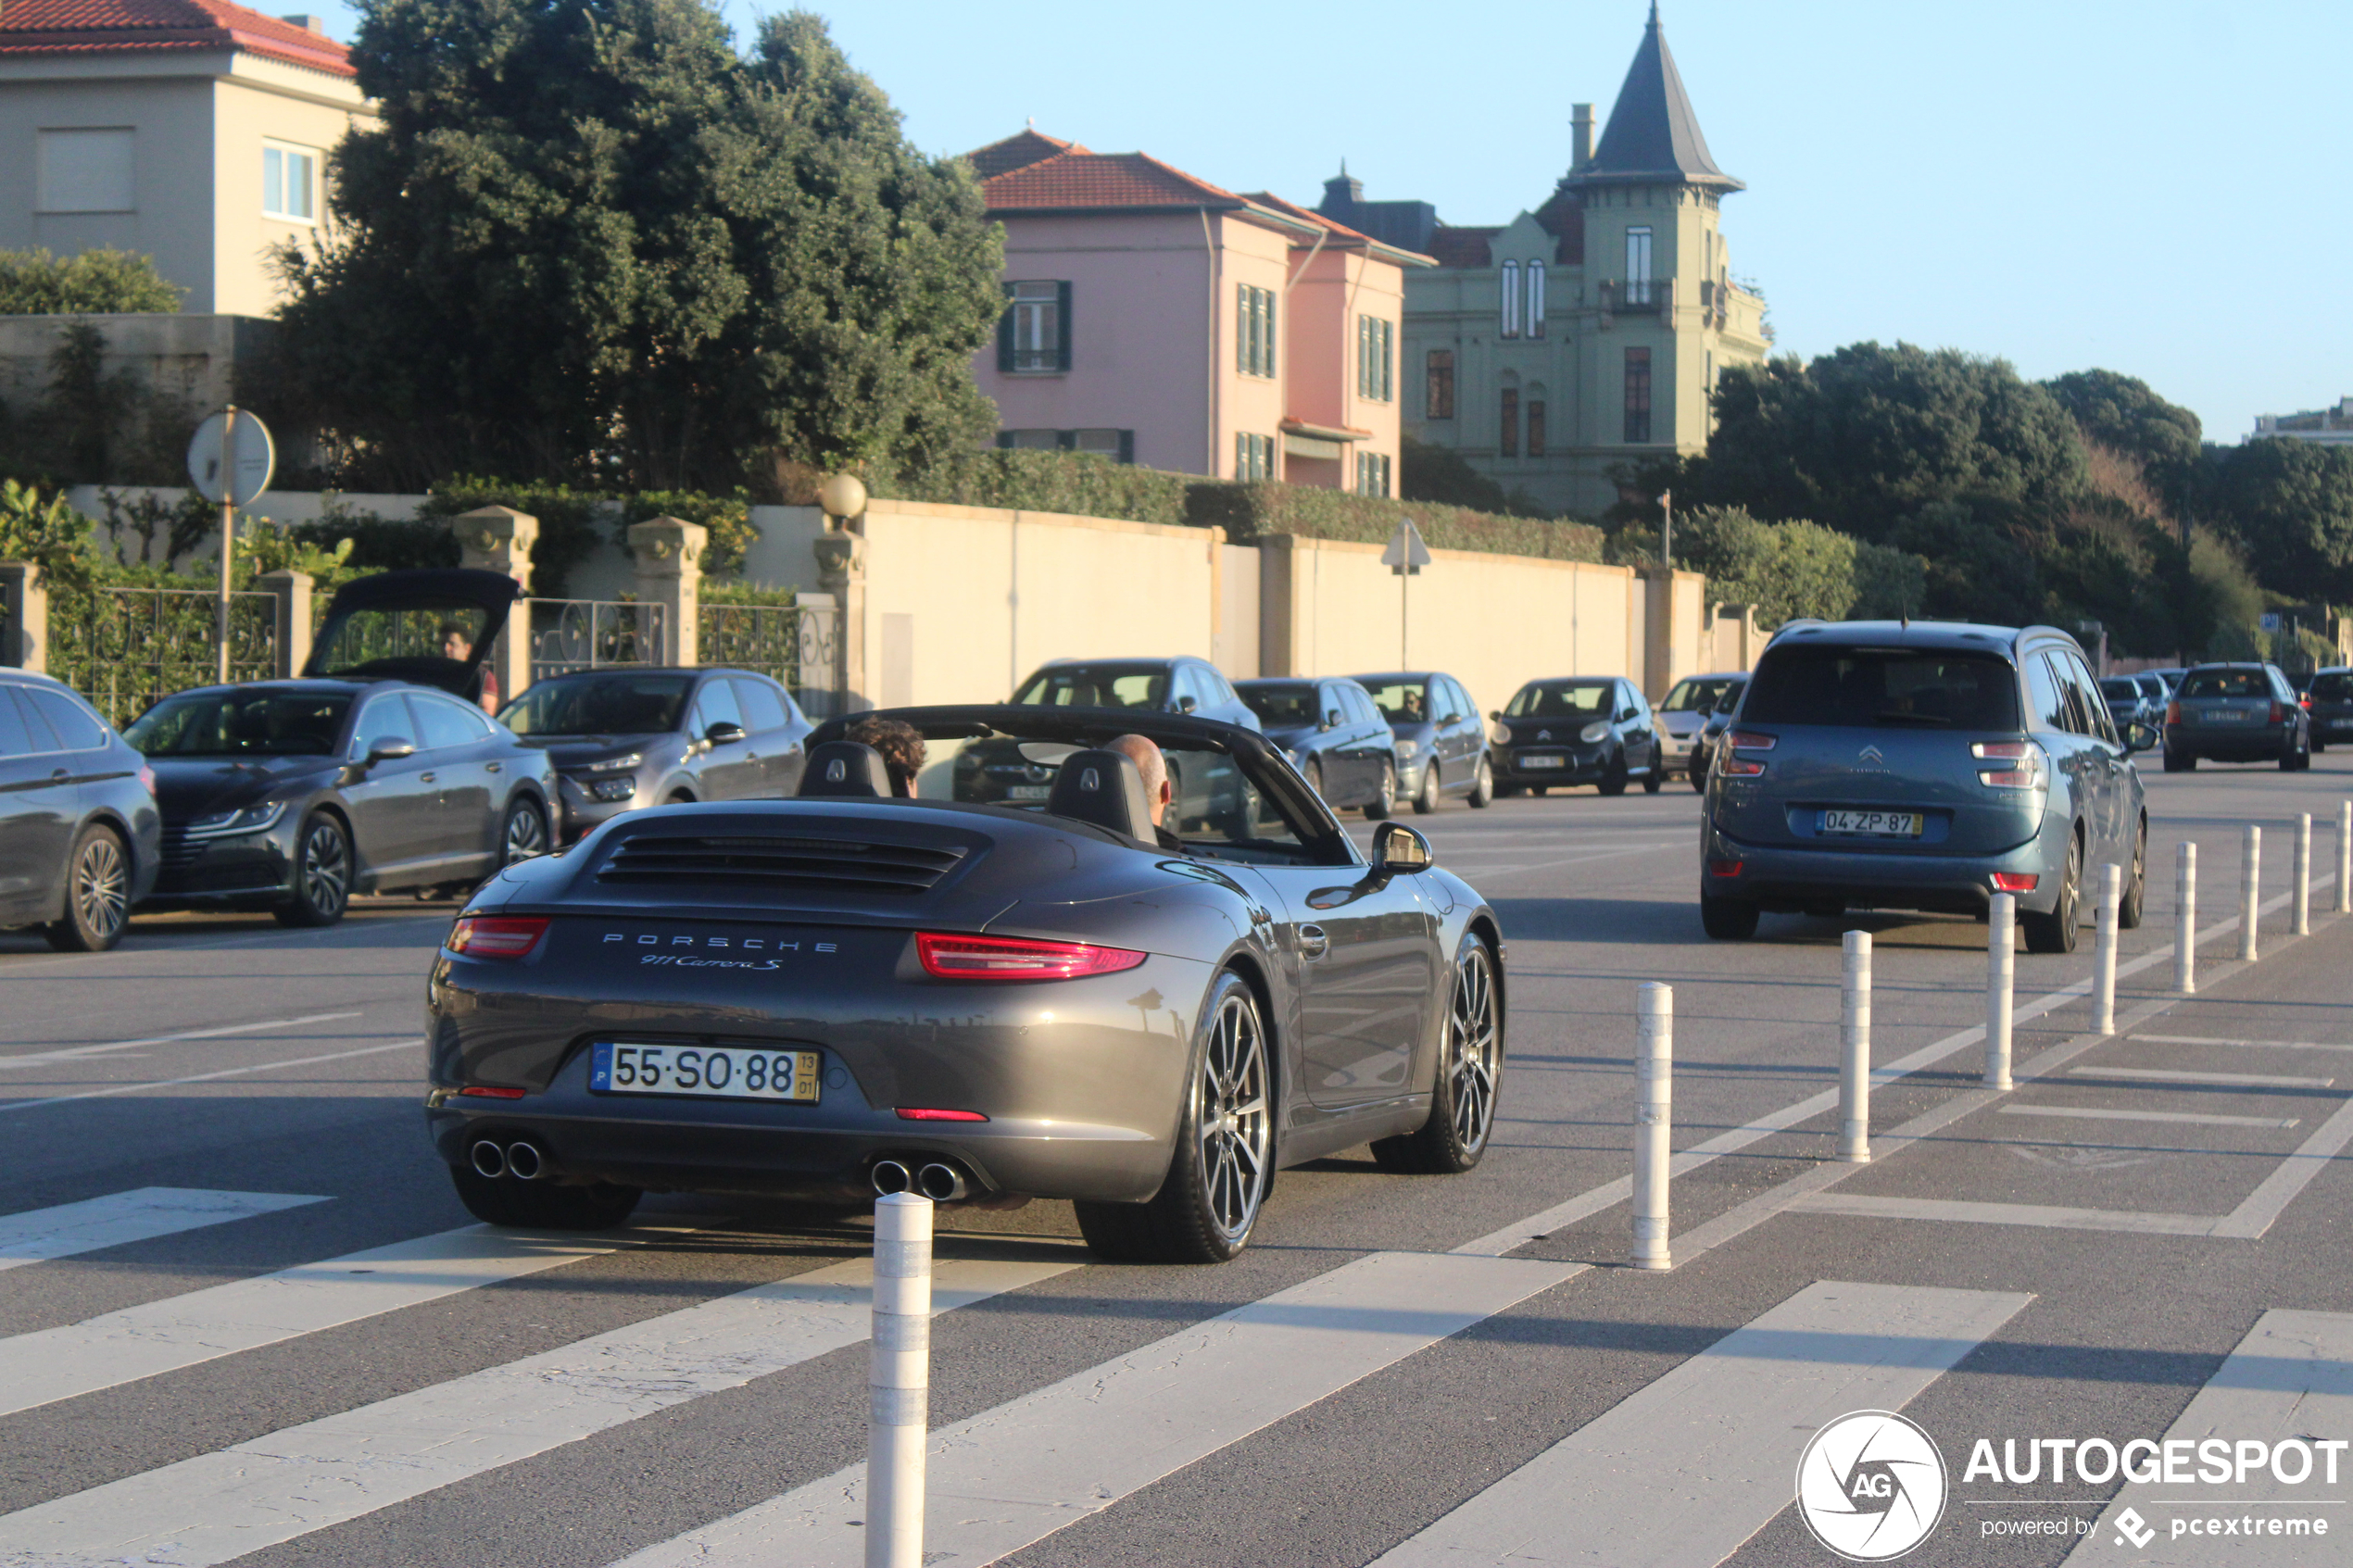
[(1921, 766), (2237, 713)]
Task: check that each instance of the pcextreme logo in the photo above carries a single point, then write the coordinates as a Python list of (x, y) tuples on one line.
[(1872, 1486)]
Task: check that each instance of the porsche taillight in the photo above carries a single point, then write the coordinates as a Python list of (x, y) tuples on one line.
[(497, 936), (948, 956)]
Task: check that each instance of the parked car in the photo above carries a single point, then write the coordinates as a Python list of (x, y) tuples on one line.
[(1333, 735), (1577, 729), (630, 737), (1921, 766), (371, 774), (2236, 714), (996, 771), (81, 840), (1434, 728), (2133, 700), (1684, 714), (2332, 707), (1711, 733), (2169, 679)]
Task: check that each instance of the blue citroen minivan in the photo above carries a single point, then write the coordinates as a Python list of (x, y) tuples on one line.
[(1927, 766)]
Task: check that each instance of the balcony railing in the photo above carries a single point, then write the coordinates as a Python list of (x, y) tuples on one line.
[(1637, 296)]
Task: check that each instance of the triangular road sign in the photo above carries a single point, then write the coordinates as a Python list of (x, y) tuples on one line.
[(1406, 554)]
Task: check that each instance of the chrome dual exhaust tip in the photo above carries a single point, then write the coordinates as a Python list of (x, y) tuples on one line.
[(890, 1176), (489, 1160), (520, 1160), (940, 1183)]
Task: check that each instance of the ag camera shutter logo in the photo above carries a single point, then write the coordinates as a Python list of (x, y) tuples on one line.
[(1872, 1486)]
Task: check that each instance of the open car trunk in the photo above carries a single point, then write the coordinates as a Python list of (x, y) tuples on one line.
[(435, 628)]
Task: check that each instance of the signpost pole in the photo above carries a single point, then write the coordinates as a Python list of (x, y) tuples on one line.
[(1666, 529), (228, 543)]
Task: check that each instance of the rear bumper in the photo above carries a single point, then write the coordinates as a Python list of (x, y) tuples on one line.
[(2260, 744), (1788, 880)]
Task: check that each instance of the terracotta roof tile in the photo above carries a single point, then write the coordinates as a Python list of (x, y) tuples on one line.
[(1100, 180), (80, 27), (1018, 151)]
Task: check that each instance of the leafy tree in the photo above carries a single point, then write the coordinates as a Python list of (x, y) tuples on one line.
[(1890, 584), (1786, 569), (49, 532), (96, 283), (1428, 472), (2122, 412), (593, 244), (2289, 504)]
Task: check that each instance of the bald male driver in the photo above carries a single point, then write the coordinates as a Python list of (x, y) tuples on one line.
[(1145, 754)]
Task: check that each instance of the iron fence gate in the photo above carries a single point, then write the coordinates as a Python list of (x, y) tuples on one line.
[(798, 646), (123, 648), (573, 634)]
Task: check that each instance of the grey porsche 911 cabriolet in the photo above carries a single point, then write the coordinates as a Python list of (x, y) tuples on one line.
[(849, 992)]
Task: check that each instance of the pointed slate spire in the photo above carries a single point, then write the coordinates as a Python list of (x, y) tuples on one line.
[(1652, 137)]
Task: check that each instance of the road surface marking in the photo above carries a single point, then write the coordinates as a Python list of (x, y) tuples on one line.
[(2292, 1376), (406, 1042), (290, 1482), (76, 1053), (2172, 1075), (2047, 1216), (140, 1214), (1685, 1470), (2258, 1045), (2190, 1118), (1017, 1474)]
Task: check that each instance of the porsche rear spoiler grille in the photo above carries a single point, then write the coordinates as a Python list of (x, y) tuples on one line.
[(747, 861)]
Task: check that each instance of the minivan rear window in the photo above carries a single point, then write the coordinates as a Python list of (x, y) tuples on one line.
[(1883, 688)]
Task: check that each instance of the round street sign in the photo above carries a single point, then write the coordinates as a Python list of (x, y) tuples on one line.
[(253, 461)]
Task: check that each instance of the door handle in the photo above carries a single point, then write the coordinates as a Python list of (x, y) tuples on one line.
[(493, 767), (424, 778), (61, 775), (1313, 942)]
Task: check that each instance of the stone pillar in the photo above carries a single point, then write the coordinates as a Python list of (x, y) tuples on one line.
[(1277, 604), (499, 539), (292, 590), (669, 554), (1658, 630), (842, 569), (24, 616)]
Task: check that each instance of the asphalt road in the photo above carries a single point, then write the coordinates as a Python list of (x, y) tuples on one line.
[(2144, 1239)]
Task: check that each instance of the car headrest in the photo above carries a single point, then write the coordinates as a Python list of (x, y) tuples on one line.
[(1104, 788), (845, 768)]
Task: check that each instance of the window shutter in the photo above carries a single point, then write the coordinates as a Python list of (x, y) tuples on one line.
[(1062, 313), (1005, 335), (1270, 330)]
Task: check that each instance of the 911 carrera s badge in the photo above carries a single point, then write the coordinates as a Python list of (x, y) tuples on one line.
[(741, 952)]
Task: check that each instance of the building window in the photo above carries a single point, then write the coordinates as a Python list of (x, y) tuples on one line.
[(1372, 473), (290, 183), (1507, 443), (1376, 343), (1255, 331), (1511, 299), (1119, 446), (1638, 266), (1033, 332), (86, 171), (1535, 299), (1535, 426), (1254, 456), (1439, 396), (1638, 396)]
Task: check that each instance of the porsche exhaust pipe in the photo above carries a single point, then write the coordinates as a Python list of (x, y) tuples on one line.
[(891, 1176), (940, 1183), (489, 1160), (525, 1162)]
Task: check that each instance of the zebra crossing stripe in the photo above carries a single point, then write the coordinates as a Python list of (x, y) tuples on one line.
[(141, 1214), (1711, 1449), (1017, 1474), (289, 1484)]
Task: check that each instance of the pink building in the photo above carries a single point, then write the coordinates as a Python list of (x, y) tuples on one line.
[(1154, 318)]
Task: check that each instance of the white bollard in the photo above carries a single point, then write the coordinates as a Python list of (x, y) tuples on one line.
[(2251, 888), (1855, 1051), (898, 1382), (2185, 919), (2001, 962), (2303, 926), (1653, 1123), (2345, 856), (2104, 950)]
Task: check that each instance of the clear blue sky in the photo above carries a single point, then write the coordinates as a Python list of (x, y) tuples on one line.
[(2157, 188)]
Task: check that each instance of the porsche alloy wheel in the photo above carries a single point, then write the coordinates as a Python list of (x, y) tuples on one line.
[(1462, 1108)]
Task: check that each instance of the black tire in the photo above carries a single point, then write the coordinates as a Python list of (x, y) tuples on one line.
[(1426, 798), (2057, 932), (2180, 761), (1380, 806), (322, 873), (2134, 906), (1209, 1203), (503, 1200), (1482, 790), (1614, 776), (1313, 774), (1508, 792), (2318, 746), (523, 835), (1728, 920), (1656, 780), (1699, 774), (97, 894), (2288, 752), (1538, 790), (679, 797), (1470, 1071)]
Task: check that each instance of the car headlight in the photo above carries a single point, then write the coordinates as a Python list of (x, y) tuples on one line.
[(614, 764), (1596, 731), (249, 818), (1408, 747), (1499, 734)]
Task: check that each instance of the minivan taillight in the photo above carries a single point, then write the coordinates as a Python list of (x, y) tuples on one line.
[(497, 936), (948, 957), (2020, 764), (1737, 741)]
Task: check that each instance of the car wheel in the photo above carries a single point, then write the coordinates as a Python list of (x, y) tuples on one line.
[(2287, 756), (2135, 904), (1224, 1163), (524, 836), (97, 895), (1614, 776), (2318, 746), (1315, 776), (1538, 790), (1381, 805), (1656, 780), (679, 797), (2179, 761), (1727, 919), (2057, 932), (322, 873), (503, 1200), (1482, 790), (1699, 774), (1425, 801), (1470, 1066)]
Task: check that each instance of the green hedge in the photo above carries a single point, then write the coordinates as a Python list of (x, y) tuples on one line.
[(1249, 512), (1075, 483)]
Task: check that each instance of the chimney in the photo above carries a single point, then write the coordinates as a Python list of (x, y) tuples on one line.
[(1580, 118), (311, 23)]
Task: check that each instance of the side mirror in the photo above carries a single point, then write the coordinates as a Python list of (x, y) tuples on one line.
[(1186, 705), (724, 732), (2141, 737), (1331, 719), (1399, 850), (1494, 713), (388, 751)]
